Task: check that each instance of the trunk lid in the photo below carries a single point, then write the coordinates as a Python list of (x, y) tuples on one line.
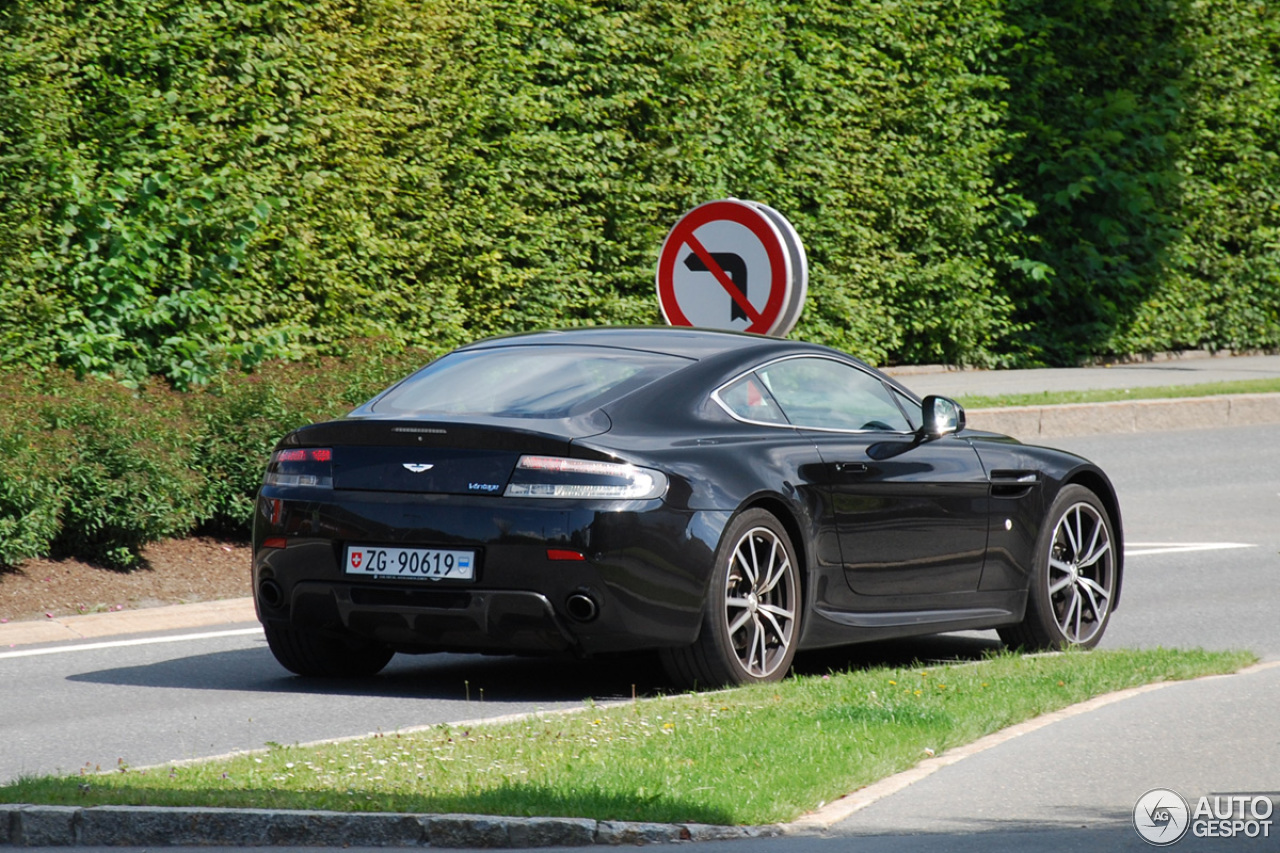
[(436, 457)]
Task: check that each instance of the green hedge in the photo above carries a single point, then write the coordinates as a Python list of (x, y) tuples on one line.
[(190, 183), (1144, 134), (94, 470), (1224, 278), (1097, 96), (186, 184), (98, 470)]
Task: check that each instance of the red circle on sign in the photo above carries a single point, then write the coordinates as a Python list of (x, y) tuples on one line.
[(762, 321)]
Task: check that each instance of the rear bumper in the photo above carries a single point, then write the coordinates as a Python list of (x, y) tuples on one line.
[(423, 620), (645, 569)]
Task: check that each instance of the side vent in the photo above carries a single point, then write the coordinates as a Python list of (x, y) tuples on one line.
[(1013, 484)]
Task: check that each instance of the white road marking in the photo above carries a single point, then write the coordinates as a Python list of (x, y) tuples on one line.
[(141, 641), (1141, 549)]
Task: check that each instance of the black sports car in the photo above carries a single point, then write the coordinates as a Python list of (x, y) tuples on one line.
[(724, 499)]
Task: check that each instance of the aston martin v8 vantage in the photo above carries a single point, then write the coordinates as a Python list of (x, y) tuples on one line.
[(722, 499)]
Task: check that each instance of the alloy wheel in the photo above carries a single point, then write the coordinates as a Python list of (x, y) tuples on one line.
[(1081, 573), (760, 602)]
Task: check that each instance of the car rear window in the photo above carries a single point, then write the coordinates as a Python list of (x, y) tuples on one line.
[(526, 381)]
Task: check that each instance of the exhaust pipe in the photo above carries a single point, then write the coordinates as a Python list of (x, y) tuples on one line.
[(581, 607), (270, 594)]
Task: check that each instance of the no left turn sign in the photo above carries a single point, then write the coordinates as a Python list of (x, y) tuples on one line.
[(735, 265)]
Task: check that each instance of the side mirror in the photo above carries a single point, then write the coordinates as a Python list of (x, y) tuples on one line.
[(942, 416)]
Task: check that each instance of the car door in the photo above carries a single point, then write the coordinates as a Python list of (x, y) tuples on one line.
[(910, 514)]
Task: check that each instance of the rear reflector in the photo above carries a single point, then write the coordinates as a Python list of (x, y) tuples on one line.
[(275, 542), (560, 554)]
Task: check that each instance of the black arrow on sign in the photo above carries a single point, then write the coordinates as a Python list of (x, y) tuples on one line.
[(734, 267)]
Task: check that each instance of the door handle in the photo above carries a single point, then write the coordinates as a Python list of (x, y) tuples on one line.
[(851, 468)]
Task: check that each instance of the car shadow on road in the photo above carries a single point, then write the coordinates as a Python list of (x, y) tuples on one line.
[(474, 678), (934, 649), (480, 678)]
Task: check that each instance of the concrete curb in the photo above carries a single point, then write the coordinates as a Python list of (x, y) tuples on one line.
[(146, 826), (228, 611), (1034, 423)]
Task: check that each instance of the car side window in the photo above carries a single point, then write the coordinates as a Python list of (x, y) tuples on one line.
[(914, 413), (749, 399), (826, 394)]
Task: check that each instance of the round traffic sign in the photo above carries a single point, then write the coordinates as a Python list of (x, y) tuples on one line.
[(799, 270), (732, 264)]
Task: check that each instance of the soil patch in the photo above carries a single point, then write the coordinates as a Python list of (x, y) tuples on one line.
[(176, 571)]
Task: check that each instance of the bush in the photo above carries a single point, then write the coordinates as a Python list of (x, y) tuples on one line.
[(129, 480), (239, 417), (33, 460), (91, 469), (95, 470)]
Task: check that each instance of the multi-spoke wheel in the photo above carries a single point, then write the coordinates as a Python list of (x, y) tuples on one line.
[(1073, 585), (751, 621)]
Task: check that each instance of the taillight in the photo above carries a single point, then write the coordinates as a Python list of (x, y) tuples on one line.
[(556, 477), (301, 466)]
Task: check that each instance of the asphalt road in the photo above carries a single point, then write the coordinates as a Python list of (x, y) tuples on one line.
[(1069, 786), (1213, 487), (208, 695)]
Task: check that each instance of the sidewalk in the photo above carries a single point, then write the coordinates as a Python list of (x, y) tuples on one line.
[(146, 621), (1040, 423), (1198, 738), (1191, 369)]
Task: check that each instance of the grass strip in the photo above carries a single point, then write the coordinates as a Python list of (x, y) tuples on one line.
[(747, 756), (1114, 395)]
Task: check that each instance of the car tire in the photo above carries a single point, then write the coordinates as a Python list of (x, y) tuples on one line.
[(751, 619), (313, 653), (1073, 582)]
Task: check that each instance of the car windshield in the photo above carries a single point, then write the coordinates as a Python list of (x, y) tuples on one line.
[(526, 381)]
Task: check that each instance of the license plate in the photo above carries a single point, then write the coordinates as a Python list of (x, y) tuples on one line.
[(410, 563)]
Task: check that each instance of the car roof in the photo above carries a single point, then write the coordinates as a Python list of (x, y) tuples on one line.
[(674, 340)]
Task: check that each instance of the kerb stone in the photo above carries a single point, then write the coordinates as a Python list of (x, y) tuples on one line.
[(467, 831), (618, 832), (44, 826), (551, 832)]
